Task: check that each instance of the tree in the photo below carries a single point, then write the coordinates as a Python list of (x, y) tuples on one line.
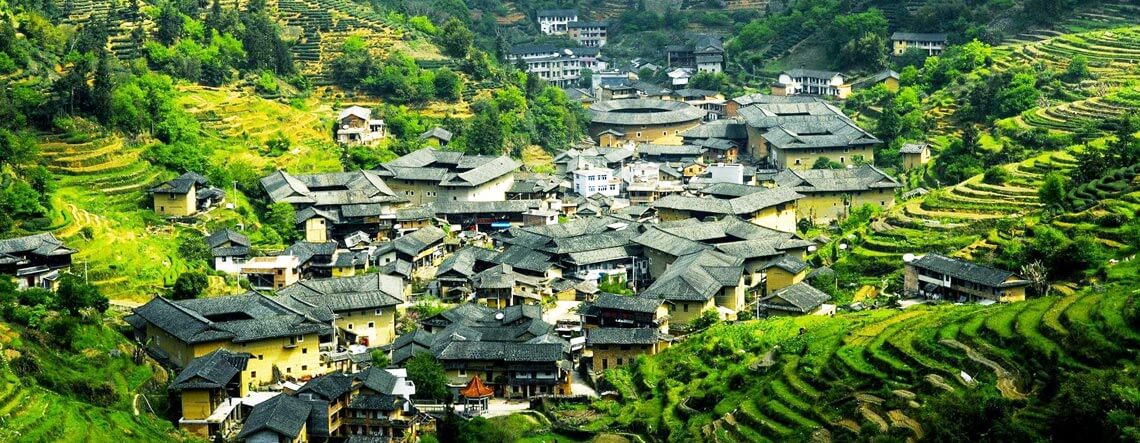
[(995, 175), (1038, 276), (448, 85), (430, 379), (486, 133), (102, 89), (1077, 70), (826, 163), (706, 319), (169, 23), (380, 359), (281, 218), (868, 51), (193, 248), (1052, 191), (75, 295), (189, 285), (456, 39), (708, 80)]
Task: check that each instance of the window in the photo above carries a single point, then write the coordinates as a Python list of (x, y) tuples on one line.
[(304, 367), (350, 326), (638, 135), (605, 363), (288, 370), (300, 338), (462, 372), (252, 374), (620, 362), (304, 350), (371, 324), (686, 306), (260, 357), (378, 312)]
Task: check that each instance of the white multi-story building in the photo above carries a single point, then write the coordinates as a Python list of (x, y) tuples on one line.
[(556, 21), (593, 180), (811, 82), (589, 34), (561, 67)]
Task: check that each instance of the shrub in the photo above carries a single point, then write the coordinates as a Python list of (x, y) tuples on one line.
[(995, 175)]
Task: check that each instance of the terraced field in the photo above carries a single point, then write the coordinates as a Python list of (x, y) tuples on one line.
[(860, 369)]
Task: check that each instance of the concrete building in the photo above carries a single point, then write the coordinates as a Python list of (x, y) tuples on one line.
[(592, 181), (931, 43), (230, 250), (556, 21), (589, 34), (559, 66), (811, 82)]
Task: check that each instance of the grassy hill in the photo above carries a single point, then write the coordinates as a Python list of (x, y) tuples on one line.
[(86, 393), (861, 374)]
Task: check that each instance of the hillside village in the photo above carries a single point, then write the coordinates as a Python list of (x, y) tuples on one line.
[(345, 222)]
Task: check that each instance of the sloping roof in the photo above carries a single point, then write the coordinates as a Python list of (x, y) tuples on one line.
[(476, 389), (437, 132), (725, 128), (338, 188), (862, 178), (283, 415), (236, 318), (379, 379), (416, 242), (751, 99), (368, 402), (622, 336), (226, 235), (329, 386), (697, 277), (557, 13), (617, 112), (616, 302), (370, 291), (964, 270), (913, 148), (180, 184), (743, 205), (358, 111), (44, 245), (656, 150), (938, 37), (811, 73), (813, 132), (211, 371), (800, 297)]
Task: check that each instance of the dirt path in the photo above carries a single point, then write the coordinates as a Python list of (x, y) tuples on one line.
[(1006, 383), (939, 382), (873, 417)]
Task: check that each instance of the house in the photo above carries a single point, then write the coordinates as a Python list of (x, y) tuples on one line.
[(581, 95), (771, 259), (540, 217), (512, 349), (585, 248), (485, 216), (185, 195), (617, 347), (590, 181), (679, 77), (797, 135), (436, 136), (500, 286), (355, 126), (811, 82), (574, 159), (284, 342), (559, 66), (772, 208), (283, 418), (704, 280), (705, 53), (641, 120), (230, 250), (454, 275), (939, 277), (887, 77), (660, 153), (588, 34), (733, 105), (413, 219), (381, 406), (205, 389), (914, 155), (931, 43), (35, 260), (272, 272), (830, 194), (334, 205), (556, 21), (645, 192), (421, 248), (536, 187), (625, 311), (362, 308), (798, 299), (430, 175)]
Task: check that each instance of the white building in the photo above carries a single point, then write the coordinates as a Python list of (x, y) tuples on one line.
[(811, 82), (355, 126), (556, 21), (680, 76), (727, 173), (594, 180), (561, 67)]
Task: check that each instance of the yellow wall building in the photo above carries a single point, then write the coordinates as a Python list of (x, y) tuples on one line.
[(618, 347)]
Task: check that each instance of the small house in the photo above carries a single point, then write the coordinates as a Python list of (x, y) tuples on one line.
[(230, 250), (355, 126), (914, 155), (798, 299), (437, 136), (931, 43), (185, 195)]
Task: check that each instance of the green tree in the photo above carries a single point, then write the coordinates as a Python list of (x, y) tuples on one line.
[(169, 23), (380, 359), (448, 85), (826, 163), (708, 80), (995, 175), (868, 51), (1052, 191), (102, 89), (1077, 70), (193, 248), (74, 295), (456, 39), (189, 285), (486, 133), (430, 379), (281, 217)]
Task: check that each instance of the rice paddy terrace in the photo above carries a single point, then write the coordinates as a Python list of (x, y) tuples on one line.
[(787, 378)]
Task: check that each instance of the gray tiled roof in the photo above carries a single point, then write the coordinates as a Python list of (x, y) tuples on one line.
[(751, 99), (223, 236), (379, 379), (369, 402), (622, 336), (743, 205), (332, 189), (964, 270), (43, 245), (939, 37), (811, 73), (236, 318), (416, 242), (800, 297), (464, 261), (329, 386), (862, 178), (615, 112), (558, 13), (698, 276), (211, 371), (445, 207), (437, 132), (655, 150), (727, 128), (617, 302), (283, 415), (813, 132), (913, 148), (370, 291)]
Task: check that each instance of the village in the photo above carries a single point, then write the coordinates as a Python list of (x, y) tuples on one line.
[(683, 208)]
